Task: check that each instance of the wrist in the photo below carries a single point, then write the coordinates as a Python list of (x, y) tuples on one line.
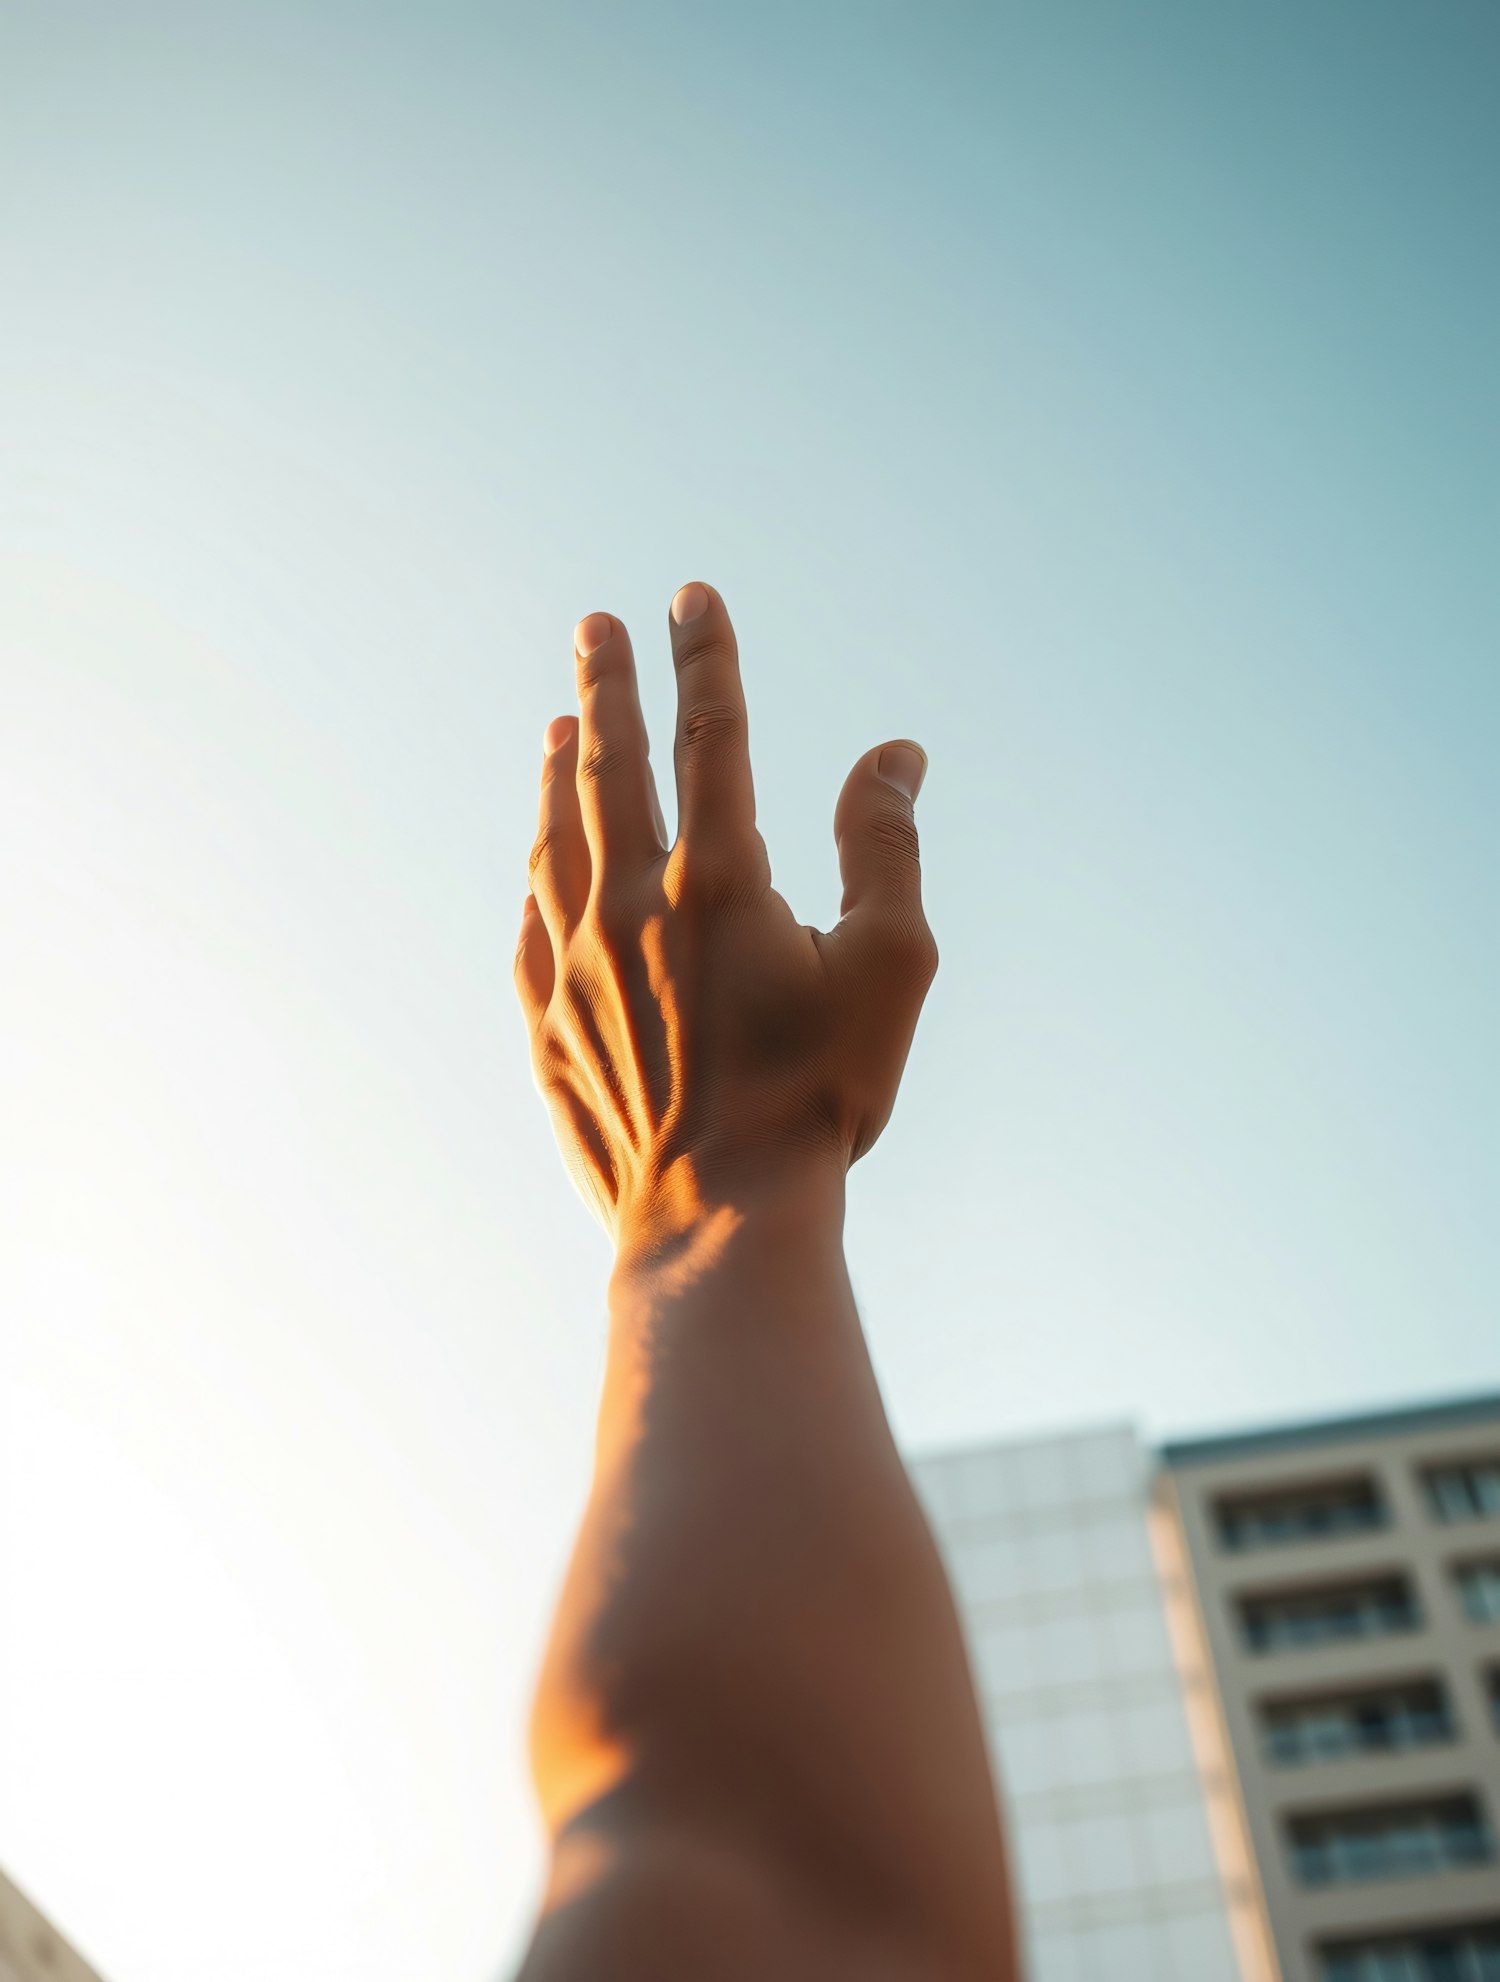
[(701, 1217), (751, 1272)]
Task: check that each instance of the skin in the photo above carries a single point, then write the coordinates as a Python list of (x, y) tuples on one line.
[(755, 1738)]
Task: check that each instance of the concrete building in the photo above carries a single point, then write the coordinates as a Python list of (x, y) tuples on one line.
[(1348, 1581), (1243, 1694)]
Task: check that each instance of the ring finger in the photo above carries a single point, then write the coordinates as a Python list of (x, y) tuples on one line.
[(559, 866)]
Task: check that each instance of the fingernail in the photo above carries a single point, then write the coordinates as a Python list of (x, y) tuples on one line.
[(690, 603), (903, 765), (557, 734), (592, 632)]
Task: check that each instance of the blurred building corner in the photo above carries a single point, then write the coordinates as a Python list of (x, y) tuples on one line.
[(31, 1949)]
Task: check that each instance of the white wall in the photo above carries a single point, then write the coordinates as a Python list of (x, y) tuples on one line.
[(1047, 1546)]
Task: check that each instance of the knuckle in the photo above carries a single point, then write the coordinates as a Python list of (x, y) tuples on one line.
[(616, 924), (549, 1060), (716, 874), (543, 855), (908, 950), (925, 957), (698, 649), (893, 836), (595, 669), (710, 726), (601, 757)]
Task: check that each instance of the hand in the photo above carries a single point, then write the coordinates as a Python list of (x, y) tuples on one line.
[(697, 1045)]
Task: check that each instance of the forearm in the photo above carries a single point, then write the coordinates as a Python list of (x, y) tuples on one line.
[(757, 1643)]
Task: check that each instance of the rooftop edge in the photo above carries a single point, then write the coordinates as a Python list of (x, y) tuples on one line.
[(1325, 1431)]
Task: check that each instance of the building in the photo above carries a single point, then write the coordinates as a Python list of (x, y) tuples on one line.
[(1348, 1580), (1243, 1694)]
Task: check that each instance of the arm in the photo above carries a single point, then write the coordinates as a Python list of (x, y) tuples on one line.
[(755, 1738)]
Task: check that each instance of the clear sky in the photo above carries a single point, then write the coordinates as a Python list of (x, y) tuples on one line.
[(1106, 396)]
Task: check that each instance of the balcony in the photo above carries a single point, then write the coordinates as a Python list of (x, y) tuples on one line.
[(1301, 1618), (1397, 1841)]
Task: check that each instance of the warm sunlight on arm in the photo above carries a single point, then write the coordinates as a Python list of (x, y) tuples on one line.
[(755, 1739)]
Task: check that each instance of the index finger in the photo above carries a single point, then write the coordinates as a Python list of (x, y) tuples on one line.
[(715, 793)]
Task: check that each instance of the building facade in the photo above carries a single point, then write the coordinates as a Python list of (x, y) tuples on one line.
[(1243, 1694), (1348, 1580)]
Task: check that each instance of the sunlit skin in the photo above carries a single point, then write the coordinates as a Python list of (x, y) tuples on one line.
[(755, 1738)]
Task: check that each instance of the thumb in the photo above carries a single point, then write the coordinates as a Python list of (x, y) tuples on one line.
[(876, 832)]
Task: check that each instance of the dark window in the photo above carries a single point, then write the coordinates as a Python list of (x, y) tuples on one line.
[(1313, 1513), (1441, 1954), (1467, 1492), (1389, 1843), (1479, 1590), (1376, 1722), (1290, 1619)]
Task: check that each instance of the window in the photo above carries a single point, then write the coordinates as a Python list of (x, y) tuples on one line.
[(1389, 1843), (1479, 1590), (1464, 1493), (1444, 1954), (1376, 1722), (1492, 1687), (1293, 1619), (1337, 1507)]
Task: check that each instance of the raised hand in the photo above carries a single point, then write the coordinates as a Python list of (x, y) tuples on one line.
[(699, 1046)]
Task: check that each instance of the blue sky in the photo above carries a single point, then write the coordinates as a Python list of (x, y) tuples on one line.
[(1104, 396)]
